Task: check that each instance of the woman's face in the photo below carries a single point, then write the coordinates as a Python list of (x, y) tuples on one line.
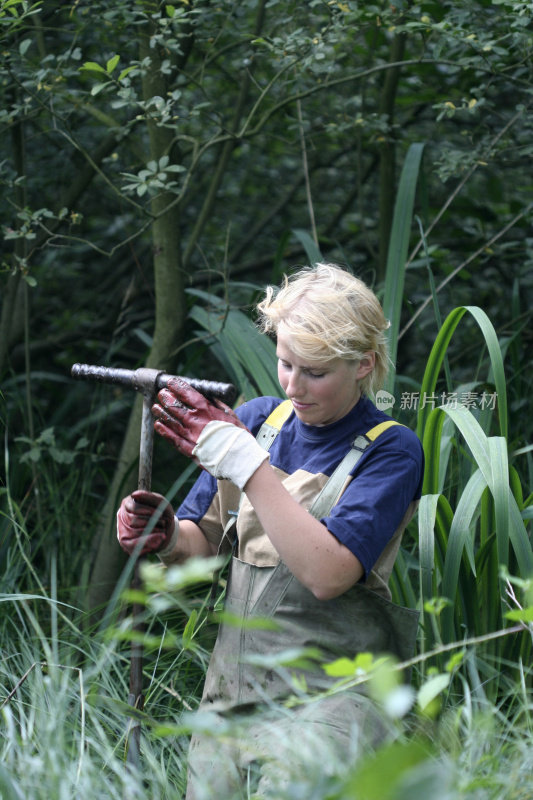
[(321, 393)]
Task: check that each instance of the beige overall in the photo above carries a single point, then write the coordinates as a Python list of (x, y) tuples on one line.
[(357, 621)]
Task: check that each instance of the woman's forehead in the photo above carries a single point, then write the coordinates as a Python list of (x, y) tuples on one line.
[(287, 351)]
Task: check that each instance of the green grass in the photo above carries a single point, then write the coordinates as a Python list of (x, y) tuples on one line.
[(64, 718)]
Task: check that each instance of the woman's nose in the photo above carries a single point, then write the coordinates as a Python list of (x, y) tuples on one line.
[(294, 385)]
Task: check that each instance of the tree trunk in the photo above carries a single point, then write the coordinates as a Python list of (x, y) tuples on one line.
[(170, 307), (170, 267)]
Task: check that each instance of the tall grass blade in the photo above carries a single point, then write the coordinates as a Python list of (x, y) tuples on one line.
[(404, 590), (8, 789), (459, 539), (314, 256), (431, 436), (427, 513), (248, 356), (437, 355), (398, 248), (489, 469), (500, 491), (474, 436), (520, 540), (497, 479)]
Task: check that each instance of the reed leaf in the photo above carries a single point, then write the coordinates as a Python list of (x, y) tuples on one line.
[(403, 590), (312, 251), (431, 441), (491, 456), (490, 469), (443, 520), (474, 436), (248, 356), (427, 513), (398, 248), (437, 355), (500, 491), (434, 521), (519, 539), (460, 537)]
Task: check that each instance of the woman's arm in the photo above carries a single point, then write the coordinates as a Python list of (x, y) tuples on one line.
[(190, 542), (314, 556), (216, 439)]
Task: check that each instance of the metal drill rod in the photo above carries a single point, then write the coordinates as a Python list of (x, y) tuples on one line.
[(148, 382), (144, 482), (152, 380)]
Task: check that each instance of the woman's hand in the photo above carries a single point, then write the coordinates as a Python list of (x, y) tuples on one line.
[(134, 516), (182, 413), (211, 434)]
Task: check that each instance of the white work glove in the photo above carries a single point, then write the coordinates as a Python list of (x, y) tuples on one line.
[(209, 432), (226, 451)]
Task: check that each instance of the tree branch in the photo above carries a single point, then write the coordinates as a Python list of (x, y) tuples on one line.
[(230, 142)]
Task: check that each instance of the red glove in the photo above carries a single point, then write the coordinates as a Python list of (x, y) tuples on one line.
[(182, 413), (133, 517), (210, 434)]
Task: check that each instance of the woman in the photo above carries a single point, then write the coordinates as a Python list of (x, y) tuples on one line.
[(316, 520)]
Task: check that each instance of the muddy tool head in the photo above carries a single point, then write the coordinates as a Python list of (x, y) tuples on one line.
[(150, 381)]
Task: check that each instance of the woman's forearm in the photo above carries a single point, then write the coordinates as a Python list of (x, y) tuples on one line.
[(314, 556), (190, 542)]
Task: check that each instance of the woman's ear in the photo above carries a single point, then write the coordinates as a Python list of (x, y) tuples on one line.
[(366, 365)]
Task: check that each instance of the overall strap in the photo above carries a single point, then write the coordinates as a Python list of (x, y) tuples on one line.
[(272, 425), (333, 488), (265, 436)]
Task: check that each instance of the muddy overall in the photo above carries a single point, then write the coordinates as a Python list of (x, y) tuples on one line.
[(357, 621)]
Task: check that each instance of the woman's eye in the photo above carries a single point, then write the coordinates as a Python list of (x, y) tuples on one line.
[(312, 373)]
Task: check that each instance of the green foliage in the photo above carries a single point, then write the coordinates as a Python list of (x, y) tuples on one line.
[(227, 122), (438, 739), (247, 357), (13, 14), (459, 549)]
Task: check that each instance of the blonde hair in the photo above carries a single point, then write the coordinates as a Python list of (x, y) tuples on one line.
[(329, 313)]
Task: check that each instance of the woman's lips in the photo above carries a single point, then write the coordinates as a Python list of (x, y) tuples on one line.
[(301, 406)]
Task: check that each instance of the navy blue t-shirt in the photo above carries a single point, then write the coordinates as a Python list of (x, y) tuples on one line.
[(385, 481)]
